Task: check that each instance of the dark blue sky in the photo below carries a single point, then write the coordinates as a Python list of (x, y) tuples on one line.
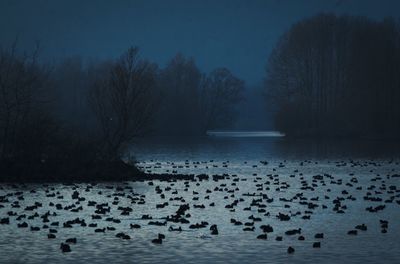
[(231, 33)]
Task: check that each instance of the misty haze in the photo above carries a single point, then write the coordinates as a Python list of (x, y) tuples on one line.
[(193, 131)]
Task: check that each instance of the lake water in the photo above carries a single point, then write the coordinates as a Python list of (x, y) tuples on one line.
[(257, 169)]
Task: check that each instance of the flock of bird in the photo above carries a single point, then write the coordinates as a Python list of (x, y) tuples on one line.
[(255, 204)]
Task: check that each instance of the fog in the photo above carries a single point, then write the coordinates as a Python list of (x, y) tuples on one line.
[(234, 34), (216, 131)]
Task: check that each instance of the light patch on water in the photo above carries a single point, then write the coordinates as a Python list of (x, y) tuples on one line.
[(245, 134)]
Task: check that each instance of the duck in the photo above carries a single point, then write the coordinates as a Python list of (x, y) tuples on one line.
[(267, 228), (214, 230), (262, 236), (134, 226), (5, 221), (159, 239), (35, 228), (22, 225), (352, 232), (293, 232), (290, 250), (171, 228), (71, 240), (316, 244), (361, 227), (319, 235), (65, 248)]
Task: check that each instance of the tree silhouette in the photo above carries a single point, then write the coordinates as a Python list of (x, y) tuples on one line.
[(337, 76), (124, 102)]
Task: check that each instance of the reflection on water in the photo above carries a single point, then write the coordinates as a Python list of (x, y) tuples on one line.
[(256, 148), (323, 149)]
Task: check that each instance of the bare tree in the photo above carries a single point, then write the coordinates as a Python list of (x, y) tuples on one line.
[(220, 92), (22, 103), (124, 102)]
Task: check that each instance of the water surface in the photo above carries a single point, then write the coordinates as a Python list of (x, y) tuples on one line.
[(273, 167)]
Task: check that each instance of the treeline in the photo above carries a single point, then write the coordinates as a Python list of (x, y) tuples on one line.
[(75, 118), (337, 76), (186, 101), (194, 102)]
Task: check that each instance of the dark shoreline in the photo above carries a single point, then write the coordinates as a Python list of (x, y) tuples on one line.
[(116, 171)]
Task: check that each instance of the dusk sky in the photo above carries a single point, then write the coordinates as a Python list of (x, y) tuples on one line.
[(231, 33)]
